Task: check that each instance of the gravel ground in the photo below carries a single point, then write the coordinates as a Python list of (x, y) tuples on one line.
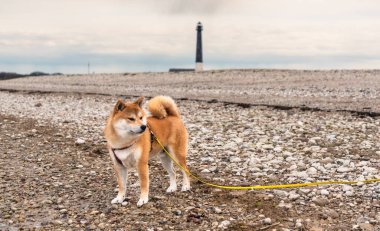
[(49, 180), (357, 90)]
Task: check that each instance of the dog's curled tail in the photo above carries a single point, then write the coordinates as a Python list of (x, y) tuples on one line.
[(162, 106)]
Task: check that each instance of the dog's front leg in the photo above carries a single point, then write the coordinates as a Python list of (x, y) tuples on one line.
[(121, 173), (143, 171)]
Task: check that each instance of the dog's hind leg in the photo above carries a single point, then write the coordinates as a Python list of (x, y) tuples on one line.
[(168, 165), (180, 151)]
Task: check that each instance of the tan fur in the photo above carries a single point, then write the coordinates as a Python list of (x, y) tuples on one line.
[(166, 124), (162, 106)]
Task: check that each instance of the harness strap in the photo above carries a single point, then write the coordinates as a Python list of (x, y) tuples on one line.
[(117, 158), (116, 149)]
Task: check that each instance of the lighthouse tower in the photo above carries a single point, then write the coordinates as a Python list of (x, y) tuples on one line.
[(198, 55)]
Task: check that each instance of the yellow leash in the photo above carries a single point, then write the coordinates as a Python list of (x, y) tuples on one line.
[(261, 186)]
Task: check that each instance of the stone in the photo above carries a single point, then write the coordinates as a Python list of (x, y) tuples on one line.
[(343, 169), (332, 213), (101, 225), (217, 210), (293, 167), (267, 146), (178, 212), (293, 196), (224, 224), (346, 188), (366, 227), (267, 221), (349, 193), (235, 159), (316, 228), (280, 193), (285, 205), (312, 171), (80, 141), (320, 201), (325, 192)]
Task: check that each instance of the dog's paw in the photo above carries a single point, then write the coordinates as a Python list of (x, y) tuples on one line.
[(142, 201), (185, 187), (171, 188), (117, 200)]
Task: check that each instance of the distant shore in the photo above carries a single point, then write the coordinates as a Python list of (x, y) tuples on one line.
[(350, 90)]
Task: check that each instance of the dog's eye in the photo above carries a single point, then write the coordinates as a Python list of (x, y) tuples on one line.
[(140, 118), (131, 119)]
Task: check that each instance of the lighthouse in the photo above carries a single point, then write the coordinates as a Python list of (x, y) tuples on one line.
[(198, 54)]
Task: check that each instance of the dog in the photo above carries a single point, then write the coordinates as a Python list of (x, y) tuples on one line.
[(128, 134)]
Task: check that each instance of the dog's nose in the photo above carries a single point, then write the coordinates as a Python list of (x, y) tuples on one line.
[(143, 127)]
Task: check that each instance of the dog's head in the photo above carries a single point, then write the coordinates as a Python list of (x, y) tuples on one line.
[(128, 118)]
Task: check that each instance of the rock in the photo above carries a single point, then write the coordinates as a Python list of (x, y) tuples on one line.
[(224, 224), (178, 212), (293, 167), (94, 212), (217, 210), (293, 196), (349, 193), (320, 201), (47, 201), (267, 221), (312, 171), (332, 213), (302, 175), (346, 188), (213, 168), (326, 160), (325, 192), (280, 193), (316, 228), (205, 170), (235, 159), (57, 222), (285, 205), (329, 166), (80, 141), (63, 211), (366, 227), (343, 169), (267, 146), (230, 146), (360, 184)]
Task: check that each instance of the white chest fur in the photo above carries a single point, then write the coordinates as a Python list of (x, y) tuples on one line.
[(128, 156)]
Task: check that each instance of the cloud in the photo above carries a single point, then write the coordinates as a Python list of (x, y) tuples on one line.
[(132, 34), (194, 7)]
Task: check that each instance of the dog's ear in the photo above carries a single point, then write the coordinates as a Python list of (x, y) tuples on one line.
[(139, 101), (119, 106)]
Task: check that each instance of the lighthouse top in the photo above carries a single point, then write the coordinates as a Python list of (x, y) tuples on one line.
[(199, 26)]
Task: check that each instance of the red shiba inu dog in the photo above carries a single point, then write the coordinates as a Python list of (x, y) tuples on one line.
[(130, 143)]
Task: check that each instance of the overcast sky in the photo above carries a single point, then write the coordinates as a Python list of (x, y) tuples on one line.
[(154, 35)]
